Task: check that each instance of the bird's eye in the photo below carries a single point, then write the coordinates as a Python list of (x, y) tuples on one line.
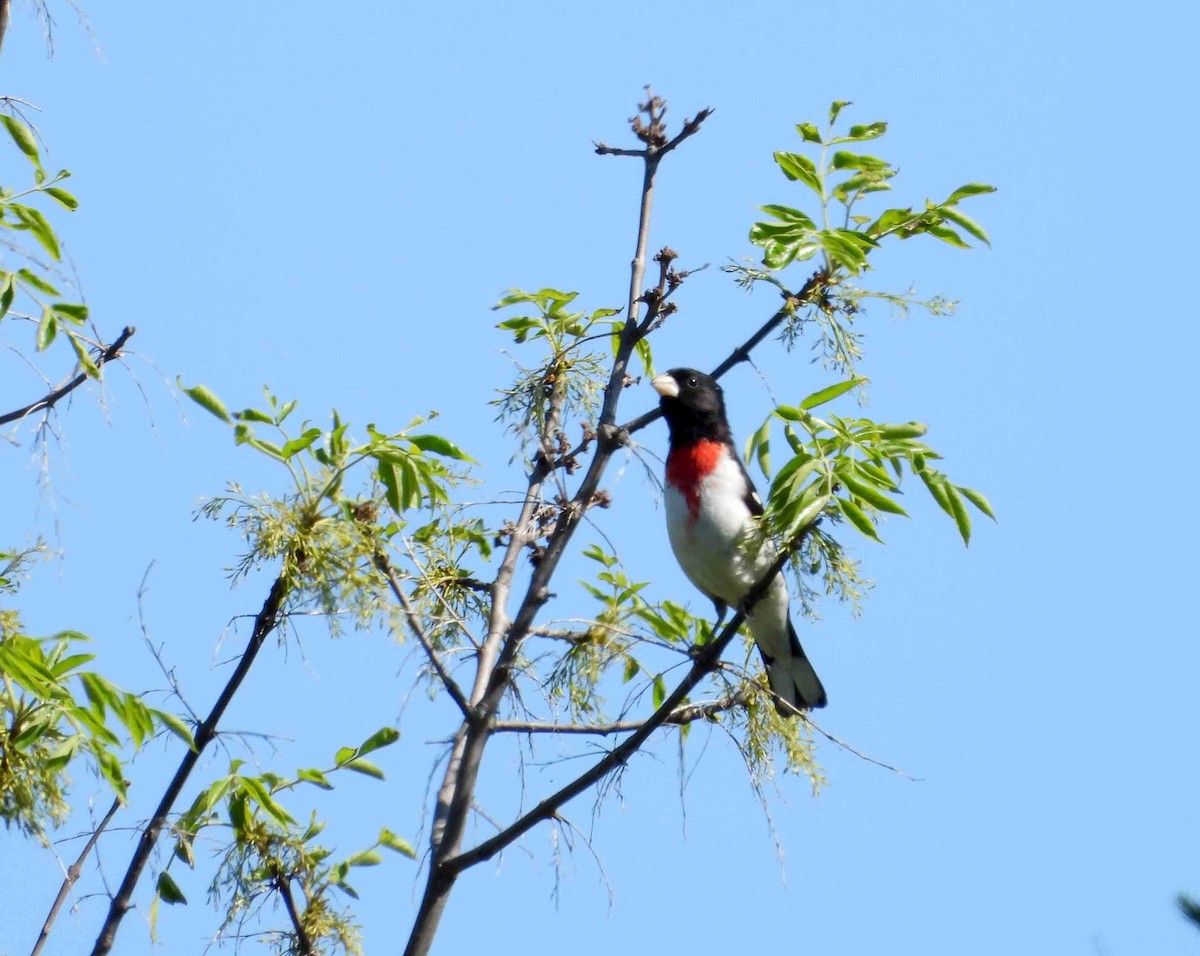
[(692, 382)]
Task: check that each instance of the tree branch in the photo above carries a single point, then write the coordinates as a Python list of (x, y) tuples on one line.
[(808, 293), (499, 654), (414, 624), (71, 878), (264, 623), (684, 714), (304, 944), (51, 399), (706, 660)]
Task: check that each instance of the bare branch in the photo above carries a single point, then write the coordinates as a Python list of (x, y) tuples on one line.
[(48, 401), (71, 878), (414, 624), (265, 622)]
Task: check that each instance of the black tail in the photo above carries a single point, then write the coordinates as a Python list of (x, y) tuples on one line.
[(794, 680)]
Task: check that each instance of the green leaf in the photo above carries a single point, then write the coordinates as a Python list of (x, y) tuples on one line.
[(936, 483), (358, 765), (8, 291), (384, 737), (71, 311), (168, 891), (645, 353), (59, 668), (759, 445), (206, 400), (907, 430), (966, 222), (388, 839), (631, 669), (23, 137), (870, 131), (835, 109), (970, 189), (90, 368), (47, 329), (36, 281), (297, 445), (959, 512), (844, 159), (254, 415), (314, 776), (870, 494), (62, 196), (796, 166), (111, 770), (858, 518), (660, 691), (788, 215), (391, 486), (978, 500), (817, 399), (37, 224), (809, 131), (439, 446), (177, 727), (257, 791), (365, 858), (948, 235)]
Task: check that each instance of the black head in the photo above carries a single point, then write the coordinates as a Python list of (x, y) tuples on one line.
[(693, 406)]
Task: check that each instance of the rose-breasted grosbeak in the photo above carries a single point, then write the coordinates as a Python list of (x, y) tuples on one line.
[(711, 506)]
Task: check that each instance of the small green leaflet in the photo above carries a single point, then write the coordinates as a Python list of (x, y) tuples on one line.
[(206, 400)]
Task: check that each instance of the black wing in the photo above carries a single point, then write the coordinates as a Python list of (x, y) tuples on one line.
[(751, 498)]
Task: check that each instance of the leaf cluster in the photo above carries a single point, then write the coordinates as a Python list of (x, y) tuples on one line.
[(55, 711), (270, 858), (326, 536), (841, 236), (29, 290), (564, 385), (850, 469)]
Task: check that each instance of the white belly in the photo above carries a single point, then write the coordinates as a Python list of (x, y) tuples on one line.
[(708, 544)]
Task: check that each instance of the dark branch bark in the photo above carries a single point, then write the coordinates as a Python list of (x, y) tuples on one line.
[(72, 877), (264, 623), (304, 944), (48, 401)]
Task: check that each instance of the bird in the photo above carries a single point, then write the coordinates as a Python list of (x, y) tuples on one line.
[(712, 507)]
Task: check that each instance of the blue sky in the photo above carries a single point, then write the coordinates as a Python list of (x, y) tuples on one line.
[(329, 203)]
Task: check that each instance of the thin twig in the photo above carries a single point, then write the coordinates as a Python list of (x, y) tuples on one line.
[(858, 753), (414, 624), (51, 399), (71, 878)]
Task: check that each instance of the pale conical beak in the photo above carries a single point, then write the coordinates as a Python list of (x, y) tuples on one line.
[(666, 386)]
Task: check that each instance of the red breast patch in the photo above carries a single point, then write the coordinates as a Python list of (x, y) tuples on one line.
[(687, 467)]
